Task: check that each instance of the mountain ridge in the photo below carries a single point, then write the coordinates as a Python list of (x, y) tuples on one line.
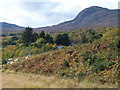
[(10, 27), (91, 17), (83, 20)]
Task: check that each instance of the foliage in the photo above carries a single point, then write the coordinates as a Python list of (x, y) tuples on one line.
[(84, 38), (10, 41), (97, 62), (96, 59), (49, 39), (90, 35), (39, 42), (4, 61), (27, 36), (35, 36), (42, 35), (22, 45), (62, 39), (66, 64)]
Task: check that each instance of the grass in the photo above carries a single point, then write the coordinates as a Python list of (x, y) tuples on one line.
[(20, 80)]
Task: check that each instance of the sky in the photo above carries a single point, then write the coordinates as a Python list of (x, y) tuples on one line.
[(41, 13)]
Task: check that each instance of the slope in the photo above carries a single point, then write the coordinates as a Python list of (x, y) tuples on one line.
[(91, 17), (97, 61)]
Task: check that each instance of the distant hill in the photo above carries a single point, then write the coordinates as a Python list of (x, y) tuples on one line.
[(91, 17), (7, 27)]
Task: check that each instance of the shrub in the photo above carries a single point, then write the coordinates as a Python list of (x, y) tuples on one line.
[(84, 38), (54, 46), (39, 42), (4, 61), (66, 64), (88, 58), (49, 39), (90, 35), (22, 45), (34, 51), (62, 39), (96, 62)]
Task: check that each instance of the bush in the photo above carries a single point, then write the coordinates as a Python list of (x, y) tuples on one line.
[(90, 35), (96, 62), (49, 39), (4, 61), (115, 45), (35, 51), (97, 66), (39, 42), (62, 39), (54, 46), (46, 47), (22, 45), (66, 64), (88, 58)]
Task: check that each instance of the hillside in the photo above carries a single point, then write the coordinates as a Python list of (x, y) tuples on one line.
[(91, 17), (7, 27), (96, 61)]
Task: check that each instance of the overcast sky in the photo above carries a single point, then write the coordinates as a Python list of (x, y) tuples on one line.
[(40, 13)]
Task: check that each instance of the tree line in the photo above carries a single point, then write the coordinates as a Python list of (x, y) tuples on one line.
[(29, 37)]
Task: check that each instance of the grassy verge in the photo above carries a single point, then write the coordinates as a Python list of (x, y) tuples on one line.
[(20, 80)]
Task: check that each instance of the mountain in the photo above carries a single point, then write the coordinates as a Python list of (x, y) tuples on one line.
[(7, 27), (91, 17)]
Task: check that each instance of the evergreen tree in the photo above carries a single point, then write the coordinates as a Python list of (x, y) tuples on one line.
[(42, 35), (27, 36), (62, 39), (35, 36), (57, 40), (49, 39)]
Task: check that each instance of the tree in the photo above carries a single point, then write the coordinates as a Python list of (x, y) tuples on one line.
[(84, 38), (49, 39), (42, 34), (4, 61), (14, 38), (35, 36), (40, 42), (27, 36), (62, 39), (90, 35)]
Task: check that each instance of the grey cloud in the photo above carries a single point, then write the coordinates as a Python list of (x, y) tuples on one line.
[(38, 6), (46, 10)]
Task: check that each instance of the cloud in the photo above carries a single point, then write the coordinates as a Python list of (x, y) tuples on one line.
[(39, 13)]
